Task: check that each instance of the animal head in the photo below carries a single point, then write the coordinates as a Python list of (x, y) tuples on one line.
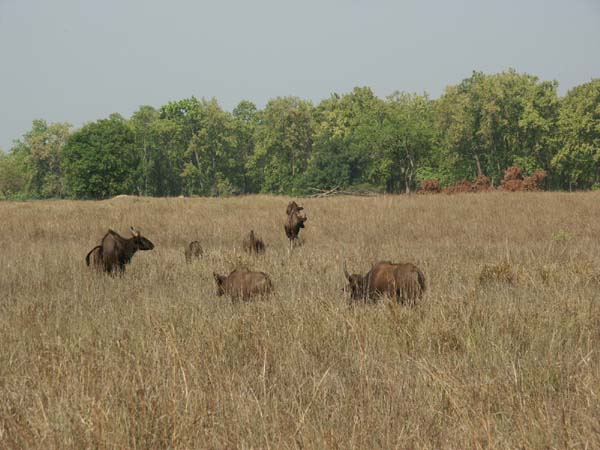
[(356, 287), (302, 219), (292, 208), (220, 283), (297, 219), (140, 241)]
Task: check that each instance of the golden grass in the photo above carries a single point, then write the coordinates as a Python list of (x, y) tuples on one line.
[(503, 352)]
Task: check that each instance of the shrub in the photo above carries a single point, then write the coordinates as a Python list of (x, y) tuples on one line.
[(430, 186), (513, 180)]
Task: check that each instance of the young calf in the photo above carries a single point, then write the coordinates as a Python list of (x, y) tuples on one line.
[(193, 250), (253, 244)]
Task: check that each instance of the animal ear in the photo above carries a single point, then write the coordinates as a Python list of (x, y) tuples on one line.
[(134, 232), (217, 277)]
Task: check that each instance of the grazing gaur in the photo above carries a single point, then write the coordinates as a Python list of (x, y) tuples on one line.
[(405, 283), (244, 284), (193, 250), (295, 221), (115, 251), (253, 244)]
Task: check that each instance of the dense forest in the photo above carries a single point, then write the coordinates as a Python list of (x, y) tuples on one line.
[(357, 141)]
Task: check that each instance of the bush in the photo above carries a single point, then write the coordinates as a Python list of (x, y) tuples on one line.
[(513, 180), (481, 184), (430, 186)]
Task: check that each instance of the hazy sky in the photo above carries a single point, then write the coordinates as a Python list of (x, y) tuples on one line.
[(76, 61)]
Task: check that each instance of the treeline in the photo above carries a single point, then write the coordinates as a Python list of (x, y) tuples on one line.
[(482, 126)]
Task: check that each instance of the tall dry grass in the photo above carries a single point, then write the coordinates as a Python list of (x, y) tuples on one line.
[(503, 352)]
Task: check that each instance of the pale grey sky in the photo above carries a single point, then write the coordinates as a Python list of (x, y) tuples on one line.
[(77, 61)]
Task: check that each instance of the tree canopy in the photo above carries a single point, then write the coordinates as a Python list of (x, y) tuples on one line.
[(480, 126)]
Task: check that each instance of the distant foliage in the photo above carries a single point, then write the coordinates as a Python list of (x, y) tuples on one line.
[(99, 160), (507, 130)]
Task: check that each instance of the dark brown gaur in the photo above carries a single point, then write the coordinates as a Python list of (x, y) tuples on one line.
[(193, 250), (295, 221), (115, 251), (244, 284), (253, 244), (403, 282)]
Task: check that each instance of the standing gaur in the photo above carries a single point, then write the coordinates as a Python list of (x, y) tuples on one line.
[(295, 221), (405, 283), (115, 251)]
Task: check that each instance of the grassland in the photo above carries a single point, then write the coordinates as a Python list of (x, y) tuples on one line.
[(503, 352)]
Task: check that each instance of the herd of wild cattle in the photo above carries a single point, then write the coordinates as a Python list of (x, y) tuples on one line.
[(403, 282)]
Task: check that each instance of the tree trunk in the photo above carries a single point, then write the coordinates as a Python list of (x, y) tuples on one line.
[(479, 171)]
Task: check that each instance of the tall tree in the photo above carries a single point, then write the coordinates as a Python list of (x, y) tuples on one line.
[(13, 175), (490, 122), (246, 118), (401, 137), (100, 161), (209, 158), (578, 158), (284, 139), (41, 149), (156, 145), (336, 159)]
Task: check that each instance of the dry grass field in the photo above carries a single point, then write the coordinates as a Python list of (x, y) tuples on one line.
[(503, 351)]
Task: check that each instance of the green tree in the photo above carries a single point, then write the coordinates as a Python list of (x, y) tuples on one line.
[(156, 145), (100, 161), (203, 147), (142, 124), (336, 158), (13, 175), (400, 136), (40, 149), (284, 139), (578, 158), (490, 122), (209, 159), (181, 120), (246, 118)]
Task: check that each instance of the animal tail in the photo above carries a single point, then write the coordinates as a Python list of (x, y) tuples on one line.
[(421, 278), (87, 257)]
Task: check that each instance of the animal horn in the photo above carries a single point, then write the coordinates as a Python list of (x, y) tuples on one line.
[(134, 232), (346, 274)]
